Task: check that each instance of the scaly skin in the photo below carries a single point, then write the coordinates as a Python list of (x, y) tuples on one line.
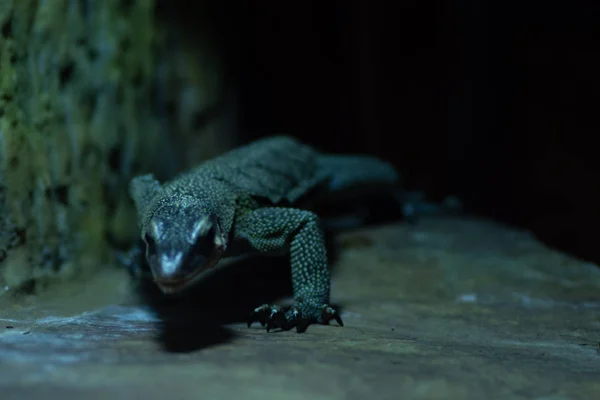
[(251, 199), (272, 229)]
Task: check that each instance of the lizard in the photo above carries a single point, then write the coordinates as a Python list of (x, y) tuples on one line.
[(256, 198)]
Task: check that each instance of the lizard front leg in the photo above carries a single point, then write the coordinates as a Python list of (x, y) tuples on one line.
[(271, 229)]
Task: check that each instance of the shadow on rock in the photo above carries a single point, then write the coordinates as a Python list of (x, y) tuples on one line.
[(194, 319), (188, 336)]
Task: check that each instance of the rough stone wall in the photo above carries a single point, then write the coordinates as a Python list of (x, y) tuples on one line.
[(87, 99)]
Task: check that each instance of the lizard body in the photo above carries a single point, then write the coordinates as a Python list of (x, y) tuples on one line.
[(254, 198)]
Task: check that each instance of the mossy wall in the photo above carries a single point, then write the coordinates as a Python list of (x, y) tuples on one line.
[(91, 93)]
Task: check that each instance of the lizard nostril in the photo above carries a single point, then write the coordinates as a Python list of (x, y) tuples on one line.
[(171, 267)]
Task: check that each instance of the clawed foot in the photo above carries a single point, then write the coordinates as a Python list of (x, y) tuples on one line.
[(273, 316)]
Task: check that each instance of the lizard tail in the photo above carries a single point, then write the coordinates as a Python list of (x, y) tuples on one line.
[(356, 173), (356, 179), (350, 185)]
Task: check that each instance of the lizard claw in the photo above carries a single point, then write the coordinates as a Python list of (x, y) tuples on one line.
[(275, 317), (285, 319), (271, 316), (328, 313)]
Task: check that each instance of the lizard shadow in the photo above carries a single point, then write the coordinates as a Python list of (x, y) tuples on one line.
[(196, 319)]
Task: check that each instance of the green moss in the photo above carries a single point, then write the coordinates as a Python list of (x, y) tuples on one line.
[(79, 115)]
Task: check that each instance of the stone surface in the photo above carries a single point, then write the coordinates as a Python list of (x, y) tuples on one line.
[(91, 94), (444, 309)]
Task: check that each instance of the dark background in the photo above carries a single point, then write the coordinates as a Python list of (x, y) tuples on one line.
[(495, 102)]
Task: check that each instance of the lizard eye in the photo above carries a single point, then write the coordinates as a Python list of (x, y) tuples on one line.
[(206, 243), (150, 244)]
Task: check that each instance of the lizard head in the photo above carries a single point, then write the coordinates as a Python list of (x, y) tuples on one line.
[(182, 242)]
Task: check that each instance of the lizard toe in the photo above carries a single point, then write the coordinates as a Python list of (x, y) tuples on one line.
[(271, 316), (274, 316), (328, 313), (261, 314)]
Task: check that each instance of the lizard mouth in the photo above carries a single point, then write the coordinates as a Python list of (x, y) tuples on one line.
[(169, 286), (179, 284)]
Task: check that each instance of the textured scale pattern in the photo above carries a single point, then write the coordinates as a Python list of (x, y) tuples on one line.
[(272, 168), (271, 229), (255, 194)]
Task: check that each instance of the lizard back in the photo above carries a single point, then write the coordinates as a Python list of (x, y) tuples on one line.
[(280, 169)]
